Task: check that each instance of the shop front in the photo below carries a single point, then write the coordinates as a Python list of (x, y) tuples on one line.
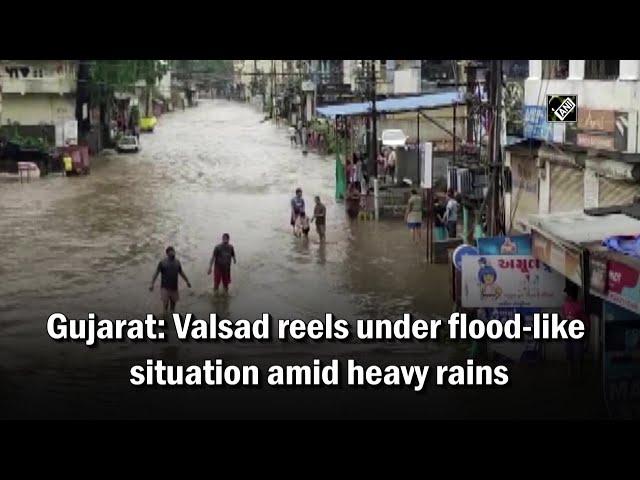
[(615, 278), (570, 243)]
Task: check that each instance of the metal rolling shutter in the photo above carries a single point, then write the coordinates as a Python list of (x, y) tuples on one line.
[(567, 189), (616, 192)]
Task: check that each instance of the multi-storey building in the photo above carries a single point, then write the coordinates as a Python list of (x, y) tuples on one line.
[(38, 93), (563, 167)]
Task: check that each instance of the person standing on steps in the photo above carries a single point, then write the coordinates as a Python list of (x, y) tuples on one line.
[(450, 218), (169, 268), (221, 259), (413, 215)]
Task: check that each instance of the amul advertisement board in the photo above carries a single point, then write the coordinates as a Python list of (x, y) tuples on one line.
[(509, 281), (511, 245)]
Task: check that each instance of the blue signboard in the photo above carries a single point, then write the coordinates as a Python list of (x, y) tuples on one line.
[(535, 123), (513, 245), (460, 252)]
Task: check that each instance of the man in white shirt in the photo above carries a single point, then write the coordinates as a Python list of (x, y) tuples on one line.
[(450, 218)]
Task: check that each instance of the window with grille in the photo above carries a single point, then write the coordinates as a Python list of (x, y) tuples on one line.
[(601, 69), (555, 69)]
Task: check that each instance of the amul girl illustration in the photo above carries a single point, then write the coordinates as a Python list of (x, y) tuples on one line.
[(487, 277), (508, 247)]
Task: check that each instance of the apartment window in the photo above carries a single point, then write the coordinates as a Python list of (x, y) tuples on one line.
[(601, 69), (555, 69)]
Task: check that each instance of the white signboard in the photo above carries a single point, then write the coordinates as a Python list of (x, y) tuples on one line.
[(71, 132), (308, 86), (426, 164), (509, 281)]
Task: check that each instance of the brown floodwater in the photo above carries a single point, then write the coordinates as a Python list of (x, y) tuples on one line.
[(91, 244)]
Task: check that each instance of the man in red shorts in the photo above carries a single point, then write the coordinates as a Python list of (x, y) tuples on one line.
[(223, 253)]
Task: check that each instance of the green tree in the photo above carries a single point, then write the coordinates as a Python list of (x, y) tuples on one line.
[(109, 76), (205, 73)]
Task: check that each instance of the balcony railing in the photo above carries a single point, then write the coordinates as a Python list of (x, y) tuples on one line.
[(59, 85)]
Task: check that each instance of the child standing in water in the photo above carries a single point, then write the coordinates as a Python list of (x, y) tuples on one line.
[(302, 225)]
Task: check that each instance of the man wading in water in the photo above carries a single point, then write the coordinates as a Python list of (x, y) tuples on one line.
[(320, 215), (222, 256), (169, 268)]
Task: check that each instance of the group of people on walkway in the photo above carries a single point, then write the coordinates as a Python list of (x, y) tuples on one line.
[(300, 221), (170, 269), (303, 134), (356, 168), (445, 216), (387, 160)]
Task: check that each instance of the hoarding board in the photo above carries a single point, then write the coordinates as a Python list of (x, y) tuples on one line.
[(509, 281), (510, 245)]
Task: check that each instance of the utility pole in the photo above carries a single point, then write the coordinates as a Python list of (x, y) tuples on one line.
[(495, 154), (82, 99), (373, 164), (470, 71), (273, 75)]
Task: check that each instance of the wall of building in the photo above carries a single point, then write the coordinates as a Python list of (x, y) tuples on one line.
[(164, 85), (607, 109), (38, 76), (37, 108), (523, 199), (408, 123), (621, 95), (407, 81)]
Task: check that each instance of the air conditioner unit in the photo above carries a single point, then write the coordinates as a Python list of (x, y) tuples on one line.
[(460, 180), (452, 179), (465, 181)]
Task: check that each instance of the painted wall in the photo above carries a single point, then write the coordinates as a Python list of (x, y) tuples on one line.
[(36, 109)]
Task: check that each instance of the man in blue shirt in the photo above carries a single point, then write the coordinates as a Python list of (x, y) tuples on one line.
[(297, 207)]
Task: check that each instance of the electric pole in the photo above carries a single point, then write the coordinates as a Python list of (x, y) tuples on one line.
[(273, 75), (495, 154), (373, 164)]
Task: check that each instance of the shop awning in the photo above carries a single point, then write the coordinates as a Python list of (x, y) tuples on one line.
[(394, 105), (558, 239), (582, 229)]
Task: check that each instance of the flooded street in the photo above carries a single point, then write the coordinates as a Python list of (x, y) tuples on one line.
[(91, 244)]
